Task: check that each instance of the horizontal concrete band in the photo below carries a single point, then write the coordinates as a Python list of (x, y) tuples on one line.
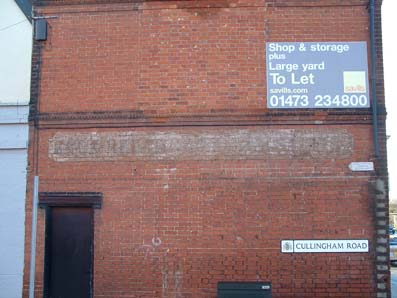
[(14, 113), (14, 136)]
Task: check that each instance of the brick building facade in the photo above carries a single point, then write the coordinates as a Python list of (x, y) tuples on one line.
[(152, 117)]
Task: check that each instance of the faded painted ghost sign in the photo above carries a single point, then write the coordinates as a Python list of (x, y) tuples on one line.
[(317, 75)]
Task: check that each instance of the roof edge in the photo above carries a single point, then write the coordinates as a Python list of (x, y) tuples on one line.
[(26, 8)]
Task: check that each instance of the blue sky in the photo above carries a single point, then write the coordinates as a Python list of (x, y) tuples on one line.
[(389, 27)]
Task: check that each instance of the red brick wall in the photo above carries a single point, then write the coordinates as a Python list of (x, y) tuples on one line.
[(166, 60), (161, 106)]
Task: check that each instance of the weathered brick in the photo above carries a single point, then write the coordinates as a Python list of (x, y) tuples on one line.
[(161, 106)]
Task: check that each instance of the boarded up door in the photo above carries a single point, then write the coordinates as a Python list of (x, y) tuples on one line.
[(69, 252)]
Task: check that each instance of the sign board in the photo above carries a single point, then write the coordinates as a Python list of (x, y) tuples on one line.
[(324, 246), (361, 166), (318, 75)]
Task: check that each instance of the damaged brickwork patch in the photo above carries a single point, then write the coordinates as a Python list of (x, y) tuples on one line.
[(209, 144)]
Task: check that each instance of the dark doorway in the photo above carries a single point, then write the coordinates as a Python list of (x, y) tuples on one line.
[(69, 252)]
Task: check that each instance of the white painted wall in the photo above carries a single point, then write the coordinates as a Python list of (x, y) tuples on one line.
[(12, 219), (15, 62), (15, 54)]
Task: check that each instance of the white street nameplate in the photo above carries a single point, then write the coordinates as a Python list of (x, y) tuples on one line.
[(318, 246), (361, 166)]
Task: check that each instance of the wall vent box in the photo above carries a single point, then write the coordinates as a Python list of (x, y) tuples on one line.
[(40, 32), (244, 290)]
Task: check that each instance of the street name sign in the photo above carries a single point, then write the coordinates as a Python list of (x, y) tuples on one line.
[(324, 246), (361, 166)]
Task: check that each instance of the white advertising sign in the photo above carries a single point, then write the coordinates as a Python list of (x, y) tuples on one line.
[(324, 246), (317, 75)]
